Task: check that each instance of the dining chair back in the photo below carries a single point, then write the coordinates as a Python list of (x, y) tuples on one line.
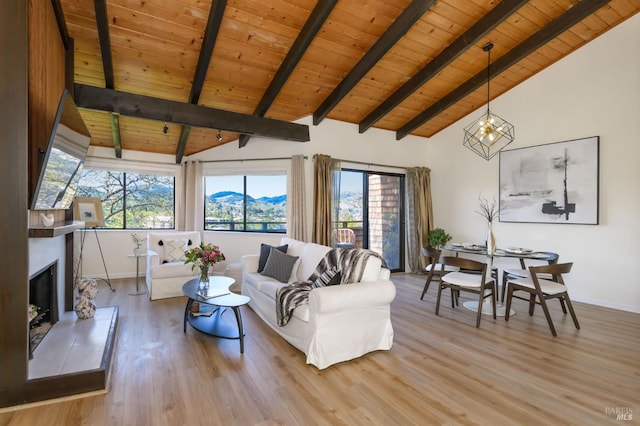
[(433, 268), (522, 272), (473, 280), (541, 289)]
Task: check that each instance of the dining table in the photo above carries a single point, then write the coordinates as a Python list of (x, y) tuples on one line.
[(512, 252)]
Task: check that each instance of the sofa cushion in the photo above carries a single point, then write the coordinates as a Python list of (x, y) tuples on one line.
[(173, 250), (371, 270), (311, 255), (279, 265), (295, 246), (265, 250), (270, 288)]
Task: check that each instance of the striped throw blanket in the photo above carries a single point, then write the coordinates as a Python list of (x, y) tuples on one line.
[(349, 263)]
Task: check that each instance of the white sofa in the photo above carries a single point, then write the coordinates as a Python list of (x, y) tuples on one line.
[(164, 277), (340, 322)]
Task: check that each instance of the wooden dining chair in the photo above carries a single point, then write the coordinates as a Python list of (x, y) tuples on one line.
[(522, 272), (473, 280), (540, 290), (433, 268)]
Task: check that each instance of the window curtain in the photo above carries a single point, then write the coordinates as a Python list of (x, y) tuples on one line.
[(297, 204), (326, 198), (192, 197), (419, 215)]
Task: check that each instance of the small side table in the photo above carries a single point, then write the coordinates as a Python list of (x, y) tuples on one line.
[(138, 256)]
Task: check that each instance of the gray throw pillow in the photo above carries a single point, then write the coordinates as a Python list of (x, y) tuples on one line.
[(264, 254), (279, 265)]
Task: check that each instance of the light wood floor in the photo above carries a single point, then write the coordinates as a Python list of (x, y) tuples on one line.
[(441, 370)]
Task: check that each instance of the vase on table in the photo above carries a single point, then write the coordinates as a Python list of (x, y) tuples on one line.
[(203, 283), (491, 240)]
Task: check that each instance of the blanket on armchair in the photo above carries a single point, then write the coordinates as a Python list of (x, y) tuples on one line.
[(349, 263)]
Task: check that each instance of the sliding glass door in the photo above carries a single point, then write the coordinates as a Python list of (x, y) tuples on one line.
[(372, 205)]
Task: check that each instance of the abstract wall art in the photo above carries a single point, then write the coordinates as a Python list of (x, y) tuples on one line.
[(551, 183)]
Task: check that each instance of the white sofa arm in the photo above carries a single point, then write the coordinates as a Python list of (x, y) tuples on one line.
[(153, 258), (250, 263), (349, 297)]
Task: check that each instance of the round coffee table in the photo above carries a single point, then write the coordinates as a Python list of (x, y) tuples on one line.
[(210, 320)]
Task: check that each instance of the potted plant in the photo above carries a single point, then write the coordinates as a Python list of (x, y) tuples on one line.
[(438, 238), (137, 241)]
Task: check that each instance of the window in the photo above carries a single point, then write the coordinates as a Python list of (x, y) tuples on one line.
[(131, 200), (250, 203)]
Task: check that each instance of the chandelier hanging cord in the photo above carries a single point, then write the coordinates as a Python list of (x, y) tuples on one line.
[(487, 48)]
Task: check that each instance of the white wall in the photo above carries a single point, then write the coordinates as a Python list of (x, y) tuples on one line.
[(594, 91)]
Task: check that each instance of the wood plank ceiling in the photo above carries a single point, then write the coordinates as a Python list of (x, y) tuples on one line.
[(409, 66)]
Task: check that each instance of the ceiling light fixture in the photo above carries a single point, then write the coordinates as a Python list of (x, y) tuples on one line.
[(489, 134), (165, 129), (219, 136)]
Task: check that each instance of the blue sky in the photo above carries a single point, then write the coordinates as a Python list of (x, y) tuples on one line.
[(271, 186), (257, 186)]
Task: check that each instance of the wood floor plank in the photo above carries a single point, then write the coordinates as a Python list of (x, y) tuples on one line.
[(441, 370)]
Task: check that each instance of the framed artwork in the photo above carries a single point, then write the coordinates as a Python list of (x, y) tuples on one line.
[(88, 210), (552, 183)]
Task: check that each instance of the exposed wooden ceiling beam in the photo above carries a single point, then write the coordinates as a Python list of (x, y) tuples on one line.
[(115, 134), (311, 27), (102, 22), (187, 114), (559, 25), (208, 43), (400, 26), (62, 25), (488, 22)]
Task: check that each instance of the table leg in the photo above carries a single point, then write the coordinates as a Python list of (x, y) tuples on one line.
[(138, 292), (186, 315), (236, 310)]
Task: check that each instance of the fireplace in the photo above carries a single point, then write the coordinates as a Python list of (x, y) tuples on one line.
[(43, 304)]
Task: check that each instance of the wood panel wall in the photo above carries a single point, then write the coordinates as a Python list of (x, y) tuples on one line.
[(46, 80)]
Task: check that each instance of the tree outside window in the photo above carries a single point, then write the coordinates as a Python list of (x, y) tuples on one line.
[(131, 200)]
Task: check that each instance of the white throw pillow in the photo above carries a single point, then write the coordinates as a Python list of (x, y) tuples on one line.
[(174, 250)]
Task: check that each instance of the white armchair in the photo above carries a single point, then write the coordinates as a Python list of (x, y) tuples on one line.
[(166, 271)]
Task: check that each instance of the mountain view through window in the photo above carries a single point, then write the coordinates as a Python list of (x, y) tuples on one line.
[(246, 203)]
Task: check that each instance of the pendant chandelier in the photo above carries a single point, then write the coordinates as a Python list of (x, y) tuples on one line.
[(489, 134)]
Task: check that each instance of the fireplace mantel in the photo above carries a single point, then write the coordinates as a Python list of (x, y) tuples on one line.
[(58, 228)]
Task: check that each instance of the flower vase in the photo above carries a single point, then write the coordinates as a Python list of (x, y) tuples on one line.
[(203, 283), (491, 240)]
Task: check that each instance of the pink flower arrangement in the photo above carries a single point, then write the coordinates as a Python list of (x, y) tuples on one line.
[(204, 256)]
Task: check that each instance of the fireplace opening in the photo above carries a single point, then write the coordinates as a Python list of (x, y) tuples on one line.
[(43, 304)]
